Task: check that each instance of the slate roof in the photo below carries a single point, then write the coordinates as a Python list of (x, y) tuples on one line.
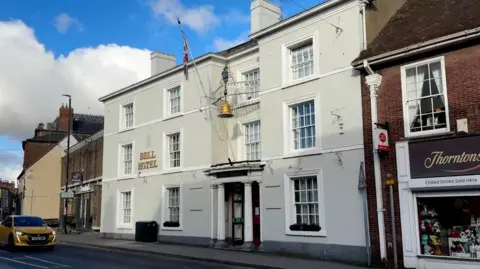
[(57, 136), (418, 21), (82, 123), (239, 48)]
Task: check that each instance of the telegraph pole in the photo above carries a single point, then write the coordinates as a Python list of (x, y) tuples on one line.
[(68, 156)]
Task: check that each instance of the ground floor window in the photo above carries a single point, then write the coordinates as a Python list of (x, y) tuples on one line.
[(450, 226)]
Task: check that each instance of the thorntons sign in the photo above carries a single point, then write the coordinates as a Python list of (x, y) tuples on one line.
[(445, 157)]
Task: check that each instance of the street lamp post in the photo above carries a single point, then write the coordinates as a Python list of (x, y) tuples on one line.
[(68, 156)]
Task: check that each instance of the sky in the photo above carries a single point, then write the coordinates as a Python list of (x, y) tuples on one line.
[(90, 48)]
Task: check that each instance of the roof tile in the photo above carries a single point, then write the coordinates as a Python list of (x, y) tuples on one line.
[(419, 21)]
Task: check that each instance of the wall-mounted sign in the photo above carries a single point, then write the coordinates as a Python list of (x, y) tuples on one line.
[(77, 176), (67, 195), (147, 160), (381, 139), (445, 158)]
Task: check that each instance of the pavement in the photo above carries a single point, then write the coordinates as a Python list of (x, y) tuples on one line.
[(193, 253), (73, 257)]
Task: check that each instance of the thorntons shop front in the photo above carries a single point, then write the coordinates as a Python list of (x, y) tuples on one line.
[(439, 192)]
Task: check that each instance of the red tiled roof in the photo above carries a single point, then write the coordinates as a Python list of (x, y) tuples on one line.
[(418, 21)]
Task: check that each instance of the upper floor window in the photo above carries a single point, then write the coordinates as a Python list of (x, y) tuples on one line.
[(301, 61), (174, 150), (303, 125), (127, 115), (425, 98), (174, 101), (127, 152), (252, 84), (252, 141)]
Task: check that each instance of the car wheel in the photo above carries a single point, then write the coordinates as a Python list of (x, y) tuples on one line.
[(11, 244)]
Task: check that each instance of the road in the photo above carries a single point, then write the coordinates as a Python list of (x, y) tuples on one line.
[(66, 256)]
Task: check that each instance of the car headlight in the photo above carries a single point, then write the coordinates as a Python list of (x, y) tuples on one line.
[(18, 233), (53, 233)]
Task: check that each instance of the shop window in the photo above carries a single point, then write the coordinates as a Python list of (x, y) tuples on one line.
[(450, 226)]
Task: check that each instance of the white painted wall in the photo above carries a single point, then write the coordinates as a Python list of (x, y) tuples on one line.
[(336, 89)]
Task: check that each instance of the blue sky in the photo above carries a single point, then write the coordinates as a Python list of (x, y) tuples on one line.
[(75, 41), (132, 22)]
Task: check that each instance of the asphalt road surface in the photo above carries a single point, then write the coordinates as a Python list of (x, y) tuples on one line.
[(64, 257)]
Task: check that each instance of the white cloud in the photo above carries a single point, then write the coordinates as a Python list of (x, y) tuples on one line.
[(63, 22), (199, 18), (32, 82), (222, 44), (10, 164)]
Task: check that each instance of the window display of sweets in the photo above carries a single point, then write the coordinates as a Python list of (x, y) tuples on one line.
[(451, 232)]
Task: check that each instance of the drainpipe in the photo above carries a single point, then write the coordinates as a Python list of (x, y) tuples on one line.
[(373, 81), (363, 24)]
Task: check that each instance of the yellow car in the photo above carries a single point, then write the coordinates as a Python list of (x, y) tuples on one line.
[(26, 231)]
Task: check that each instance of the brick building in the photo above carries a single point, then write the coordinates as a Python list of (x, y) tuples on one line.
[(8, 198), (421, 90), (85, 170), (33, 186)]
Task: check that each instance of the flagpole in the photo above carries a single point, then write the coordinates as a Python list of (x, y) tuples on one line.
[(203, 89)]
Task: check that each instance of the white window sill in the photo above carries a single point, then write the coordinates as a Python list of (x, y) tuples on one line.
[(125, 177), (126, 129), (172, 170), (171, 228), (292, 83), (309, 234), (427, 133), (173, 116)]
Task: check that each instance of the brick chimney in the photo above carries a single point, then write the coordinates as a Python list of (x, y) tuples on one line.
[(63, 118), (40, 130)]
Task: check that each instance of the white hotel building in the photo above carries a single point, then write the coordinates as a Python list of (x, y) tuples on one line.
[(297, 121)]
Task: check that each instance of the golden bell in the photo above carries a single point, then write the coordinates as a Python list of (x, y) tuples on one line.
[(225, 111)]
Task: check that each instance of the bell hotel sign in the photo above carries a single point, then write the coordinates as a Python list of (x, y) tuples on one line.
[(147, 160), (446, 158)]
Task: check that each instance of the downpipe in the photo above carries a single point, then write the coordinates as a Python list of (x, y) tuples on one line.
[(376, 166)]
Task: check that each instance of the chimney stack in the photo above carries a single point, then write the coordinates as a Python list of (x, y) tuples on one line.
[(161, 62), (63, 118), (40, 130), (263, 14)]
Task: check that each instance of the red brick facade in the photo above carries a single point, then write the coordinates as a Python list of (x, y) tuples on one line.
[(89, 158), (462, 68)]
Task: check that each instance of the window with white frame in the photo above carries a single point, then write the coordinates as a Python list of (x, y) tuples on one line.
[(252, 84), (305, 200), (303, 125), (128, 115), (302, 60), (252, 141), (173, 204), (425, 98), (126, 207), (127, 158), (174, 150), (174, 105)]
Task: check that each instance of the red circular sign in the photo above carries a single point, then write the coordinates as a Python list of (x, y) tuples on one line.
[(382, 137)]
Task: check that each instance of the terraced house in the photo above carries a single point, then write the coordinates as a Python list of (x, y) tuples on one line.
[(258, 147), (421, 87)]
